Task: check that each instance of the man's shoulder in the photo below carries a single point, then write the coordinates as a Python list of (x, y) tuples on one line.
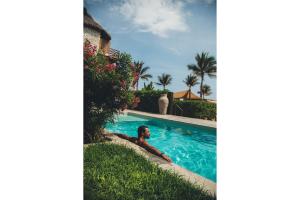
[(133, 139)]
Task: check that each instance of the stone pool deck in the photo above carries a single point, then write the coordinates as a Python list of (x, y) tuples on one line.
[(186, 174), (187, 120)]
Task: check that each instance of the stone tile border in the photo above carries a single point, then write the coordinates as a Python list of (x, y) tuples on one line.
[(208, 185), (187, 120)]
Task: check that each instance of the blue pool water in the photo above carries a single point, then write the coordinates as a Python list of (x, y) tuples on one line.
[(191, 147)]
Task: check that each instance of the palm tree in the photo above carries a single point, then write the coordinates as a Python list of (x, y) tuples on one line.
[(190, 81), (205, 65), (141, 72), (206, 90), (164, 79)]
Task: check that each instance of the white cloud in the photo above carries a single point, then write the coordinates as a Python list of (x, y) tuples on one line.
[(160, 17), (175, 51)]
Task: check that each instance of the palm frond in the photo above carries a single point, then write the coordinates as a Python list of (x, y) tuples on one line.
[(212, 75), (206, 90), (206, 64), (191, 80), (164, 79), (144, 70), (146, 76), (192, 67)]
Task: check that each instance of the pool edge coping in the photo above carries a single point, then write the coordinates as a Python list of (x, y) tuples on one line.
[(175, 118)]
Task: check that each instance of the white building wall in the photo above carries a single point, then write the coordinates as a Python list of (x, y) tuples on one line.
[(93, 36)]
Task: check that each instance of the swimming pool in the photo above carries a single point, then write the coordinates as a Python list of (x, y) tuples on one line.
[(189, 146)]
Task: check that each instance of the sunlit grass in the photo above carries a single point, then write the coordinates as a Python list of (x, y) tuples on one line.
[(114, 172)]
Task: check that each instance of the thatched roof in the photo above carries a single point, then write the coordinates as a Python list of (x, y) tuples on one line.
[(184, 95), (91, 23)]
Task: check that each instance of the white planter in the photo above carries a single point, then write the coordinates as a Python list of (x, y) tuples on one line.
[(163, 103)]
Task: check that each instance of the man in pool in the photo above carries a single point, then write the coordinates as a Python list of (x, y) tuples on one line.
[(144, 133)]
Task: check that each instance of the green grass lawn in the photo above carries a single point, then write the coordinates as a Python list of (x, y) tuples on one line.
[(114, 172)]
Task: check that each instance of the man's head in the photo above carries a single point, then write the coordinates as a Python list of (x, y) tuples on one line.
[(143, 131)]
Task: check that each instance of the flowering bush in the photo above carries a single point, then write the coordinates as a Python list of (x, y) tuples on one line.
[(106, 89)]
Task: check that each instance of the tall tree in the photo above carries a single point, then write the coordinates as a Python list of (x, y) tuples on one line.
[(206, 64), (206, 90), (164, 80), (190, 81), (141, 72)]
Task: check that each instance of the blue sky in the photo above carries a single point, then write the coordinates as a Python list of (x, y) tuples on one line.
[(165, 34)]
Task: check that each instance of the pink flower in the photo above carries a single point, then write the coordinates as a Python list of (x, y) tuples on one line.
[(89, 49), (111, 67)]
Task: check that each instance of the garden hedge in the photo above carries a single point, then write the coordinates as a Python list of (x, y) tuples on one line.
[(196, 109), (191, 108)]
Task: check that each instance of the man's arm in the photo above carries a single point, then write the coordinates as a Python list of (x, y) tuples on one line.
[(155, 151), (121, 136), (126, 137), (148, 147)]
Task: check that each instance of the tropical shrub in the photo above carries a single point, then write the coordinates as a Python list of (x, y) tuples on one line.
[(148, 87), (196, 109), (106, 89)]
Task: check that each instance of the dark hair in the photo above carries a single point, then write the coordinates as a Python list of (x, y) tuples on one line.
[(141, 129)]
